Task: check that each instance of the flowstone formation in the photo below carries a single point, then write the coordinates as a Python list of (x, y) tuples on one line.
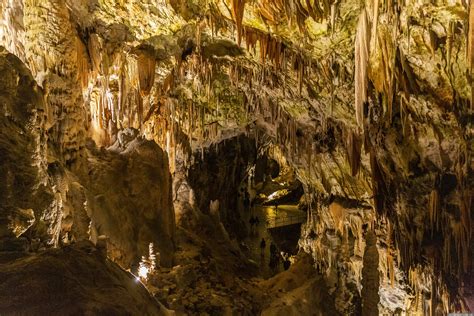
[(136, 121)]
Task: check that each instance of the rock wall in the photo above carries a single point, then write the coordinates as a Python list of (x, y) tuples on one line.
[(128, 194), (334, 236), (53, 59), (25, 191), (218, 176), (124, 194)]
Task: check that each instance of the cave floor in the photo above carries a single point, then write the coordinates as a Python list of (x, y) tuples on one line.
[(223, 281)]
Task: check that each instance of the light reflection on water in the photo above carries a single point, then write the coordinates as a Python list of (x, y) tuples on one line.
[(284, 212), (266, 214)]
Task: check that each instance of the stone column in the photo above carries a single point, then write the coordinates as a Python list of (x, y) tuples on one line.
[(370, 277)]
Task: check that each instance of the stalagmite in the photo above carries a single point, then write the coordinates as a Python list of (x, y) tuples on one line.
[(370, 277)]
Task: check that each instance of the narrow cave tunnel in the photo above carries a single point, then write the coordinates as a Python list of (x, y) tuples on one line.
[(208, 157)]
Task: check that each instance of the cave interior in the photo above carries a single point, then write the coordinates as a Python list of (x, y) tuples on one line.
[(236, 157)]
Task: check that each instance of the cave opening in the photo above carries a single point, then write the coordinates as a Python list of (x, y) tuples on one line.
[(271, 195)]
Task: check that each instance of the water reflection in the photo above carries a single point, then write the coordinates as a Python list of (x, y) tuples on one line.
[(267, 215)]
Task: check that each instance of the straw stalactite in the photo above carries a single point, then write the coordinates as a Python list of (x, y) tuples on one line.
[(361, 60), (434, 210), (390, 256)]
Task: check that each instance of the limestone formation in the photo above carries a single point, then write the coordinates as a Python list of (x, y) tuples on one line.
[(174, 123)]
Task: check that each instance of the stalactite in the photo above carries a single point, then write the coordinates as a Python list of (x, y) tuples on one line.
[(95, 52), (121, 95), (375, 20), (100, 110), (139, 109), (132, 73), (146, 72), (407, 77), (300, 70), (354, 149), (403, 116), (470, 47), (301, 15), (271, 48), (266, 12), (378, 183), (434, 210), (168, 83), (251, 39), (82, 63), (388, 53), (361, 60), (238, 8), (338, 216), (263, 48), (449, 48), (390, 260), (296, 11)]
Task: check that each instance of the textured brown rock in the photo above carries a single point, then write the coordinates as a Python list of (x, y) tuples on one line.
[(52, 57), (24, 189), (70, 281), (128, 194), (142, 195)]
